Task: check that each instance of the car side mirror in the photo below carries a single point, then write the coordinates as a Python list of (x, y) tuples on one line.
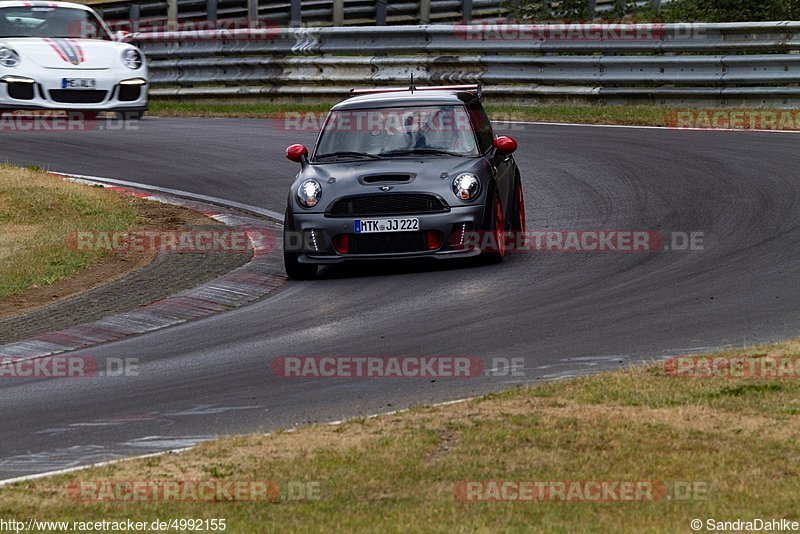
[(121, 35), (505, 145), (297, 153)]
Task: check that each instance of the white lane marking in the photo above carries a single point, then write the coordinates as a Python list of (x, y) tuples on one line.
[(78, 468), (185, 194), (565, 375), (664, 128), (26, 478)]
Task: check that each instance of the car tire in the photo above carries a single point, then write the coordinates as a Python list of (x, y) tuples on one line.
[(296, 270), (497, 227), (291, 262), (88, 116), (129, 115), (518, 221)]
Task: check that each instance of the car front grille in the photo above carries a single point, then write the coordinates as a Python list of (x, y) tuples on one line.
[(387, 243), (387, 204), (77, 96)]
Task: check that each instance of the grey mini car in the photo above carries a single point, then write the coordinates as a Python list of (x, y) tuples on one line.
[(403, 173)]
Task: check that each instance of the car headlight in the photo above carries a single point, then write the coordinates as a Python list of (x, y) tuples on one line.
[(466, 186), (8, 57), (309, 193), (132, 58)]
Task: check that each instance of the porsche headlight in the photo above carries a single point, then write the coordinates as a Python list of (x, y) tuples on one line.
[(466, 186), (132, 58), (309, 193), (8, 57)]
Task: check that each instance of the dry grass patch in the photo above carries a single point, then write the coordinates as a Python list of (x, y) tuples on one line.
[(37, 211), (398, 472)]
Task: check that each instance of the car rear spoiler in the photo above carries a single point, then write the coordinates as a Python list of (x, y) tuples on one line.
[(473, 88)]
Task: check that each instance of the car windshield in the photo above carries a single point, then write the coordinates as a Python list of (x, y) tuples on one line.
[(397, 131), (50, 21)]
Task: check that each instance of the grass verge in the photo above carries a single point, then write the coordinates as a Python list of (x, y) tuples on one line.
[(642, 115), (37, 211), (735, 439)]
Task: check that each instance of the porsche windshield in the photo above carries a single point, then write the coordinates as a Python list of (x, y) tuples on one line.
[(385, 132), (52, 22)]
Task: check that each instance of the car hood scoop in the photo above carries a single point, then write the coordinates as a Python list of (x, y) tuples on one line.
[(386, 178)]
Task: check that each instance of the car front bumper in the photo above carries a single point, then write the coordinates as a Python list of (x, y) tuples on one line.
[(313, 236), (43, 90)]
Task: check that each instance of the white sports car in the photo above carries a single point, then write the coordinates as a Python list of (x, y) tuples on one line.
[(57, 55)]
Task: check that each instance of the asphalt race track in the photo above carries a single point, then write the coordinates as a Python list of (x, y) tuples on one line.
[(564, 313)]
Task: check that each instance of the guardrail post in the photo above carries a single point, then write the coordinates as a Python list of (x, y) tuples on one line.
[(466, 10), (172, 12), (295, 13), (380, 12), (211, 10), (252, 10), (513, 13), (424, 11), (591, 8), (134, 14), (338, 12)]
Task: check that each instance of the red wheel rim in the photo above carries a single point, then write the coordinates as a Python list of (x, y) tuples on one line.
[(521, 212), (499, 228)]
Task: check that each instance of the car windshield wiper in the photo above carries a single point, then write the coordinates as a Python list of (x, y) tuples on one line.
[(345, 153), (412, 151)]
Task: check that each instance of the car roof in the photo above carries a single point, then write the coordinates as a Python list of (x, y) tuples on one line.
[(44, 4), (406, 98)]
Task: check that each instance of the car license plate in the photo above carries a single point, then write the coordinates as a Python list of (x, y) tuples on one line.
[(372, 226), (78, 83)]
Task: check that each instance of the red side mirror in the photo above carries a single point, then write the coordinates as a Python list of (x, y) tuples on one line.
[(296, 153), (505, 145)]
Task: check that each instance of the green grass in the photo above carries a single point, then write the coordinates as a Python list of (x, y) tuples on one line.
[(172, 108), (643, 115), (37, 212), (626, 115), (735, 439)]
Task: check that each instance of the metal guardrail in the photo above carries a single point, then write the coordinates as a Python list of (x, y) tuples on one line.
[(321, 12), (705, 64), (303, 12)]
